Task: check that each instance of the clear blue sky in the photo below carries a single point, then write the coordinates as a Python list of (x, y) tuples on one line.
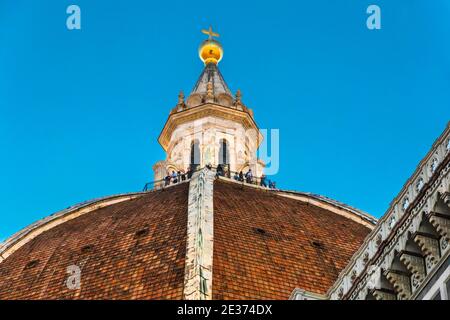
[(80, 111)]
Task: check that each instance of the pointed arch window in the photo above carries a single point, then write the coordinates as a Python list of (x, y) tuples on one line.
[(434, 164), (224, 153), (419, 184), (405, 204)]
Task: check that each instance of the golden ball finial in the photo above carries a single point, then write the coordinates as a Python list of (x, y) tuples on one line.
[(210, 51)]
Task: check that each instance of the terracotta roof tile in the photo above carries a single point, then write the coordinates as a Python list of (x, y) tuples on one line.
[(266, 245), (130, 250)]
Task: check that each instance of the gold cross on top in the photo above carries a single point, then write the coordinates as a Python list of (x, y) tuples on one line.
[(210, 33)]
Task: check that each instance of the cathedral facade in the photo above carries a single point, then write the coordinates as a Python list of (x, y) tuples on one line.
[(406, 256), (204, 231)]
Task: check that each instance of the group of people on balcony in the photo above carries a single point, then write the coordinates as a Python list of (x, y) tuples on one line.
[(247, 177), (222, 170), (178, 176)]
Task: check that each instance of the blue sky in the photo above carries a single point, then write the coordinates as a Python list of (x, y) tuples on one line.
[(80, 111)]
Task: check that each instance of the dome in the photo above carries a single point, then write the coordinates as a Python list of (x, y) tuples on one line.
[(210, 51), (136, 246)]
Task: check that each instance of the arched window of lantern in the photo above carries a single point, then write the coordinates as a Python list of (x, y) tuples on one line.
[(195, 153), (224, 153)]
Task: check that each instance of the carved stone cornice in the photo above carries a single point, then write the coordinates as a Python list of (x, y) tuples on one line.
[(202, 111), (383, 294), (442, 223), (415, 264), (401, 283), (429, 245)]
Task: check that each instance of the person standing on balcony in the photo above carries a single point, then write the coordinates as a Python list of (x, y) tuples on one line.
[(174, 177), (219, 170), (167, 180), (249, 176), (263, 181)]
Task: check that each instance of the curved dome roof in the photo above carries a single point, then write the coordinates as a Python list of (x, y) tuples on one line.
[(266, 243)]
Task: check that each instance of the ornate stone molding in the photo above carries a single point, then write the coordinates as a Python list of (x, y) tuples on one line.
[(299, 294), (202, 111), (383, 294), (429, 246), (400, 282), (415, 264), (403, 218), (199, 244), (386, 253), (441, 223)]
